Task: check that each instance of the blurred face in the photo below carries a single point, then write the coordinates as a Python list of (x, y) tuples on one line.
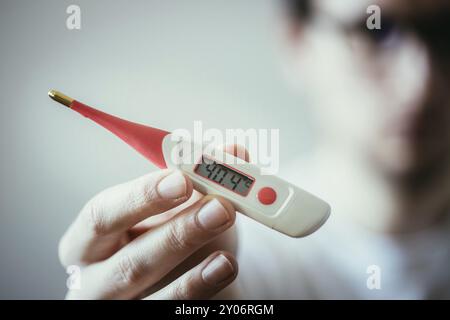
[(382, 93)]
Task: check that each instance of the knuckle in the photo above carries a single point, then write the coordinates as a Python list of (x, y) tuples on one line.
[(128, 271), (177, 236), (190, 288), (94, 215), (180, 291), (140, 195), (147, 193)]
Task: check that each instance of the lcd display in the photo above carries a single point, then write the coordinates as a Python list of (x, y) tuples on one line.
[(225, 176)]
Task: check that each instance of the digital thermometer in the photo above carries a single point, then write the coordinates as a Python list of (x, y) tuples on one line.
[(267, 199)]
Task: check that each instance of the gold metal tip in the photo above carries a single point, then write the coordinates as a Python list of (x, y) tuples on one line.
[(60, 97)]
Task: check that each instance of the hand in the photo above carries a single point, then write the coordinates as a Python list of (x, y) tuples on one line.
[(129, 237)]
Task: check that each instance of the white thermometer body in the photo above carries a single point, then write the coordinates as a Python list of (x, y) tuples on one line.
[(267, 199)]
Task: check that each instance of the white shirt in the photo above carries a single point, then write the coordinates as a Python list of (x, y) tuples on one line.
[(333, 263)]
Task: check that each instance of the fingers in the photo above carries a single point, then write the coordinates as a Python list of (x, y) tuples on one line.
[(148, 258), (234, 149), (99, 229), (202, 282)]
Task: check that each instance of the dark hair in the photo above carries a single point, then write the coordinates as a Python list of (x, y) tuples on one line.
[(298, 9)]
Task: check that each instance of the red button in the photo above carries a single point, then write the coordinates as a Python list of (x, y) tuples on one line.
[(267, 195)]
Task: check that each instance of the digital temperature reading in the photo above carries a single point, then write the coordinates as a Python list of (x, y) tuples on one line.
[(225, 176)]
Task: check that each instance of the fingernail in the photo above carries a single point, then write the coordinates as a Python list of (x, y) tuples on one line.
[(217, 270), (172, 186), (213, 215)]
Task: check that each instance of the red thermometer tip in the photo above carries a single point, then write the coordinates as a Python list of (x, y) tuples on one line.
[(146, 140)]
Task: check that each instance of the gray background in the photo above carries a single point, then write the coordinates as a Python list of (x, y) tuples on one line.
[(165, 63)]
